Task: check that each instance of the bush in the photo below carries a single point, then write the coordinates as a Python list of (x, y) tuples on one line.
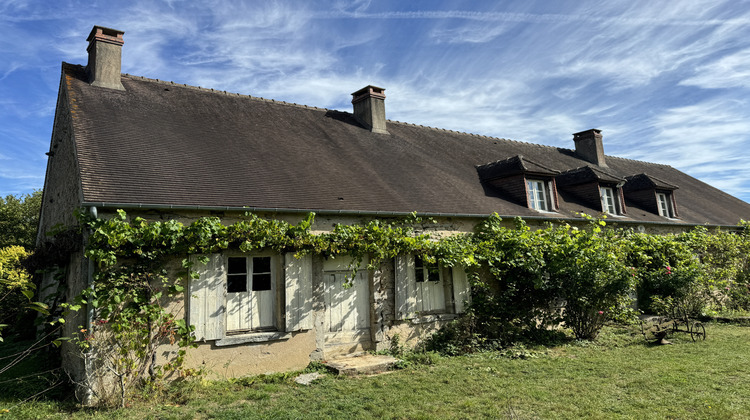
[(594, 279), (520, 299), (663, 265), (530, 276)]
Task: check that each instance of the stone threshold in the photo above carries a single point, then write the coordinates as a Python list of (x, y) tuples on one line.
[(365, 364)]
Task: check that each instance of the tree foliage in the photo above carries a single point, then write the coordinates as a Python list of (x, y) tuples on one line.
[(19, 217), (16, 287)]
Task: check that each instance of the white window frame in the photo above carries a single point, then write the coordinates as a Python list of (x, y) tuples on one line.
[(207, 299), (538, 195), (609, 200), (259, 307), (664, 204)]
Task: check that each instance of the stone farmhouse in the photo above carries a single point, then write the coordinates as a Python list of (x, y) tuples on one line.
[(163, 150)]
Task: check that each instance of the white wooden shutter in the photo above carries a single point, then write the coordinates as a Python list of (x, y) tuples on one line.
[(207, 294), (406, 291), (461, 289), (298, 281)]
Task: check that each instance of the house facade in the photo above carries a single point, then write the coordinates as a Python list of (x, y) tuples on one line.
[(162, 150)]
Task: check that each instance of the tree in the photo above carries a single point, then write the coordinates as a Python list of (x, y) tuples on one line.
[(19, 217)]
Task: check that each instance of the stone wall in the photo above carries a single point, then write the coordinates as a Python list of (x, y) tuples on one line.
[(62, 187)]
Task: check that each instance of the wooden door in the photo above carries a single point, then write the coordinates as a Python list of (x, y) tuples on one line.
[(347, 308)]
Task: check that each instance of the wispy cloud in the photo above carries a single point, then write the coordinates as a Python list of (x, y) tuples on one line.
[(485, 16), (665, 81), (730, 71), (703, 140)]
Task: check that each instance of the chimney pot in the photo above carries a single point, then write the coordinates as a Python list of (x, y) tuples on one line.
[(369, 108), (105, 57), (589, 146)]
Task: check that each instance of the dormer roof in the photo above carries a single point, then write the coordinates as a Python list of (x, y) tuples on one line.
[(644, 181), (513, 166), (586, 174)]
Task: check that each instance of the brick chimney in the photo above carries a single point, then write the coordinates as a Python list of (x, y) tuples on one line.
[(369, 108), (105, 50), (589, 146)]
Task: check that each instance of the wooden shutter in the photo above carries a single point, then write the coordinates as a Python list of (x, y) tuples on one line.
[(461, 289), (406, 291), (298, 284), (207, 294)]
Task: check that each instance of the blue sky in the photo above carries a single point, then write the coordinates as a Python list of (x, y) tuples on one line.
[(666, 81)]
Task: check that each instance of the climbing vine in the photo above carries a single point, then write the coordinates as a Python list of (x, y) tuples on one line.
[(521, 277)]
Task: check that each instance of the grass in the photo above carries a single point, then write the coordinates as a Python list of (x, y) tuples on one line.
[(618, 376)]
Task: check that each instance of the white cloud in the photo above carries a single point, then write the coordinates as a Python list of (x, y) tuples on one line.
[(468, 34), (727, 72)]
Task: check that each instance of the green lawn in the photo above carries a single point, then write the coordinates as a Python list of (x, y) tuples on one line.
[(619, 376)]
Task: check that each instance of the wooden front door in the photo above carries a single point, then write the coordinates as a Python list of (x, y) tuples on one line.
[(347, 306)]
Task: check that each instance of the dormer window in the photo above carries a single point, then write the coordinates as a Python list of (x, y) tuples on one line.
[(523, 181), (538, 193), (652, 194), (664, 203), (594, 188)]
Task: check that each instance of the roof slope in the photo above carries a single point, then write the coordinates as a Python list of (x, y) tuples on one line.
[(158, 143)]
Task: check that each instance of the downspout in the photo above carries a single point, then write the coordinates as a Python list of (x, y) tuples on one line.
[(89, 320)]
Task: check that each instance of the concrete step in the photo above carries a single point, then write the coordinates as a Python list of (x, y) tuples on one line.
[(366, 364)]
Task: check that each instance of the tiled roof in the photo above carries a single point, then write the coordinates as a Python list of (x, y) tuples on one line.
[(160, 143)]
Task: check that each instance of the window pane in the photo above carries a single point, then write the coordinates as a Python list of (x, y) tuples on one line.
[(262, 281), (237, 265), (532, 194), (262, 265), (236, 283), (418, 269), (542, 197), (433, 274)]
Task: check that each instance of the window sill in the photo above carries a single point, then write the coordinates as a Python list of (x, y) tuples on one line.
[(617, 216), (261, 337), (544, 211), (424, 319)]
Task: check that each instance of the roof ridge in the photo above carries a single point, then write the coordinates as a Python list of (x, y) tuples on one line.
[(537, 164), (223, 92), (639, 161), (499, 161), (470, 134), (602, 171), (660, 180)]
